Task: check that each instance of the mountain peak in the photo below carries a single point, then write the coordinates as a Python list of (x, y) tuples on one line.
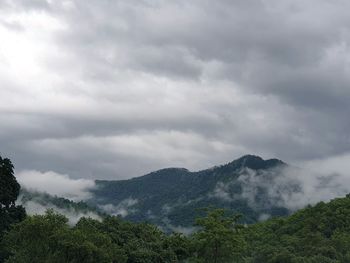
[(165, 172), (255, 162)]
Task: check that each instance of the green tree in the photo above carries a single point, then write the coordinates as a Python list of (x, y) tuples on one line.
[(9, 187), (31, 240), (179, 245), (217, 240), (9, 191), (141, 242), (48, 238)]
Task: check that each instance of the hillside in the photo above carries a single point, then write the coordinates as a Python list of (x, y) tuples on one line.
[(319, 233), (171, 197)]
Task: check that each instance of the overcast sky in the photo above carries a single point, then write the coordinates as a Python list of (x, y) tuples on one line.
[(116, 89)]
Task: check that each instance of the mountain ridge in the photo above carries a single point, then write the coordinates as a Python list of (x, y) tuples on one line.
[(172, 195), (246, 161)]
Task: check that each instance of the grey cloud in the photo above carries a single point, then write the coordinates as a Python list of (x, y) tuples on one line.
[(114, 89)]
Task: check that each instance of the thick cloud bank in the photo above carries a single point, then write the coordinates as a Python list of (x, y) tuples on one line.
[(56, 184), (114, 89)]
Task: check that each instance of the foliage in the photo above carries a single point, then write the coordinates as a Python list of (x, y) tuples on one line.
[(9, 187), (48, 238), (218, 239), (315, 234)]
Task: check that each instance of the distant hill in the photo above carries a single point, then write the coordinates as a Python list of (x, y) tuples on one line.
[(171, 197)]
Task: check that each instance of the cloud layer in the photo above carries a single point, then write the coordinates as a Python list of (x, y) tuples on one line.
[(114, 89), (55, 184), (289, 187), (35, 207)]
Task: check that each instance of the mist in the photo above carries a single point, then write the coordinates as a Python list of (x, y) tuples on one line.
[(290, 187), (56, 184)]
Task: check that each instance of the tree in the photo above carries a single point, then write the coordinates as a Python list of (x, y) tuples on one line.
[(179, 245), (31, 240), (9, 191), (9, 187), (217, 241)]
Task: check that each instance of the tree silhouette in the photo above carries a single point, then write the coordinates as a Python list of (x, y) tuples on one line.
[(9, 191), (9, 187)]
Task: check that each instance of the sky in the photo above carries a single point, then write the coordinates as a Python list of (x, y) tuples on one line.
[(101, 89)]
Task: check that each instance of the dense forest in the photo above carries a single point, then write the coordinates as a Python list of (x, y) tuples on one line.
[(319, 233)]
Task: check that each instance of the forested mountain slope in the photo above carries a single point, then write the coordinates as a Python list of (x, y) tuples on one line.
[(171, 197)]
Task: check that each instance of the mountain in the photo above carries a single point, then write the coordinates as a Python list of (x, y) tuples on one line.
[(172, 197)]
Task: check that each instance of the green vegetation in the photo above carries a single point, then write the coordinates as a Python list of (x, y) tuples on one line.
[(218, 238), (316, 234), (48, 238)]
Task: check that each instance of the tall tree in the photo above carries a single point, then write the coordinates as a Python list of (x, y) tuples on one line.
[(9, 191), (9, 187), (217, 240)]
